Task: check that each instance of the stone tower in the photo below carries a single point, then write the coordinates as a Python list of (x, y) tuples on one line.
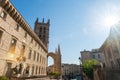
[(42, 30)]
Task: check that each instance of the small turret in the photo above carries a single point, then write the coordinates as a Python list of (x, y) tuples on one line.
[(43, 20), (48, 21), (36, 22)]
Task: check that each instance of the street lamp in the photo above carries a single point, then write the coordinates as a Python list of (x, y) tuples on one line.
[(80, 63), (80, 60), (81, 71)]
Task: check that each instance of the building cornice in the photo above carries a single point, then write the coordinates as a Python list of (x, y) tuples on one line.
[(12, 11)]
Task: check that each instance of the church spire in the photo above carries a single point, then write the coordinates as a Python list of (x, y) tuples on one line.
[(36, 20), (59, 52), (56, 50)]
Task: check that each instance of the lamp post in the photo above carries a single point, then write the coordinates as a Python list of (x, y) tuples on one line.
[(81, 71), (80, 64)]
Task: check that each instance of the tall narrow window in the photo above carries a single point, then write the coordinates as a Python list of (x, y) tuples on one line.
[(40, 29), (29, 55), (118, 61), (40, 35), (31, 40), (32, 70), (39, 70), (3, 15), (1, 32), (44, 30), (22, 50), (25, 36), (17, 27), (36, 69), (12, 46), (40, 58), (98, 55), (34, 55), (37, 57), (44, 38), (93, 56)]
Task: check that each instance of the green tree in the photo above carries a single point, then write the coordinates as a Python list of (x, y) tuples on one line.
[(3, 78), (54, 74), (88, 67)]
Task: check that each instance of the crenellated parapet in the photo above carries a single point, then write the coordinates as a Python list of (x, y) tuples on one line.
[(12, 11)]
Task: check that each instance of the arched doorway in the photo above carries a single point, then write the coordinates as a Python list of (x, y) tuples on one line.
[(50, 61), (55, 65), (56, 59)]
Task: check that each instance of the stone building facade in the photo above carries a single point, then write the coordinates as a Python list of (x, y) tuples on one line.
[(67, 70), (111, 47), (70, 70), (85, 55), (95, 54), (19, 44)]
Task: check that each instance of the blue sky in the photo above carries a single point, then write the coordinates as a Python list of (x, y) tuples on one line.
[(75, 24)]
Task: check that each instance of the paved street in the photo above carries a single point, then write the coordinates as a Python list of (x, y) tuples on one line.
[(41, 79)]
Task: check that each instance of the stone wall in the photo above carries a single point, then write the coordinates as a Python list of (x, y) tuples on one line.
[(8, 27)]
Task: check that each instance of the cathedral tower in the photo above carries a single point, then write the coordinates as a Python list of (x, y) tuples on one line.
[(42, 30)]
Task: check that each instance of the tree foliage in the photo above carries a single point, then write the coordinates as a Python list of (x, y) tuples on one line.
[(3, 78), (54, 74), (88, 67)]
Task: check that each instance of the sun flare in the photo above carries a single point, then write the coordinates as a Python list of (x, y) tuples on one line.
[(110, 20)]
